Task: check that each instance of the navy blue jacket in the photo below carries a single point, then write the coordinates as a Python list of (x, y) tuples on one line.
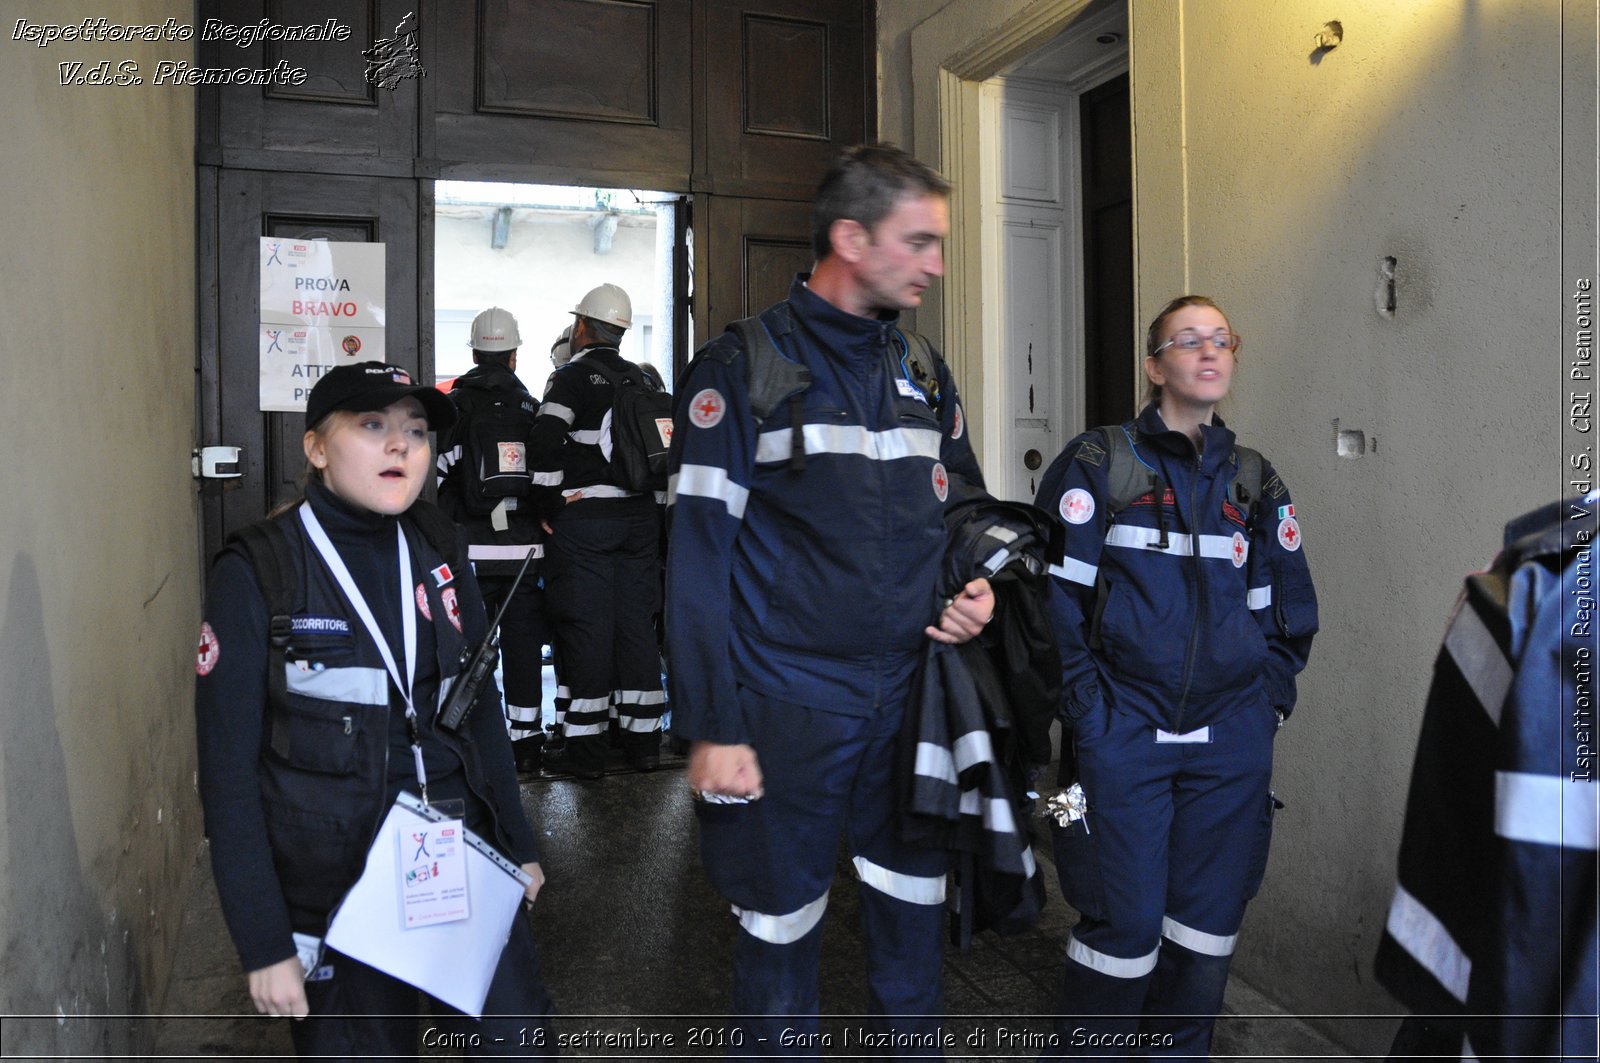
[(1219, 620), (289, 835), (811, 586)]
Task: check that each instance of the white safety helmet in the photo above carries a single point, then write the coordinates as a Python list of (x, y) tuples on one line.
[(495, 330), (561, 349), (607, 303)]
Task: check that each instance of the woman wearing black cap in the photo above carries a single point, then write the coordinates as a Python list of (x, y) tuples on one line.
[(331, 630)]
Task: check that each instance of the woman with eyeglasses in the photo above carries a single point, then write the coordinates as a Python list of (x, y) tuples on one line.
[(1183, 610)]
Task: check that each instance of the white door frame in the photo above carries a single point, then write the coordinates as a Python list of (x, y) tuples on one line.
[(949, 65)]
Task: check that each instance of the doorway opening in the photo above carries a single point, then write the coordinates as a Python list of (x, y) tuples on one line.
[(535, 250), (1056, 209)]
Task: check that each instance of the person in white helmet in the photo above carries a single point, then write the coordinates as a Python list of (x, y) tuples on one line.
[(484, 486), (602, 548)]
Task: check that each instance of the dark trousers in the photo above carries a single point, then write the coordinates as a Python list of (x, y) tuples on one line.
[(773, 859), (523, 634), (1176, 844), (362, 1013), (603, 588)]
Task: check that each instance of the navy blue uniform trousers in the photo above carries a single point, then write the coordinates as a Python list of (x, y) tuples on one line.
[(773, 859), (1174, 845)]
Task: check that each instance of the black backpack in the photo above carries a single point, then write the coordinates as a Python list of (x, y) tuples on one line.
[(494, 451), (266, 546), (1128, 478), (641, 428)]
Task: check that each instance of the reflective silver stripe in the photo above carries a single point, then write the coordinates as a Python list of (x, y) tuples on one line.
[(445, 462), (639, 724), (589, 438), (353, 686), (583, 730), (555, 409), (708, 481), (598, 491), (1481, 660), (590, 704), (1259, 597), (1115, 966), (1075, 571), (935, 762), (639, 697), (1179, 544), (1420, 933), (914, 889), (1547, 810), (1198, 940), (1467, 1054), (522, 713), (972, 748), (489, 552), (1028, 866), (997, 817), (548, 479), (888, 445), (782, 929), (1220, 547)]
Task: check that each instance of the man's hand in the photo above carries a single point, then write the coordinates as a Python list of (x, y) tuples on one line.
[(280, 990), (966, 614), (732, 771), (535, 872)]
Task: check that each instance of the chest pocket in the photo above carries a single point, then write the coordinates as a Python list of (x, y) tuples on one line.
[(331, 700)]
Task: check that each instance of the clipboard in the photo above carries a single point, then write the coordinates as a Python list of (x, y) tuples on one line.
[(452, 962)]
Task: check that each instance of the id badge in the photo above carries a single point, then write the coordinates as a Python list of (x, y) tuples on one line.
[(433, 873)]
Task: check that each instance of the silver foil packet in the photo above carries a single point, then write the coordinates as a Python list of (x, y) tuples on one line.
[(1069, 806)]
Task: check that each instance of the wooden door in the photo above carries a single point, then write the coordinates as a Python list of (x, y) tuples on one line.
[(248, 205), (1111, 364)]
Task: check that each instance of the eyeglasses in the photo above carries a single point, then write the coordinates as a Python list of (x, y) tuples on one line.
[(1190, 340)]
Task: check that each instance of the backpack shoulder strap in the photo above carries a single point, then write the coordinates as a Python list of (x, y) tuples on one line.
[(773, 376), (1127, 476), (265, 545), (439, 530), (1245, 492)]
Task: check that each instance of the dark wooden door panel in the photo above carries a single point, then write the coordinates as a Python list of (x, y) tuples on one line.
[(1110, 362), (335, 121), (752, 248), (252, 204), (560, 91), (785, 92)]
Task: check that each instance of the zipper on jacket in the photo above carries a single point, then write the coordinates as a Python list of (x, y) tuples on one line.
[(1199, 596)]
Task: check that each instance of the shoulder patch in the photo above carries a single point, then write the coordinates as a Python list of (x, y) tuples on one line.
[(1274, 488), (1077, 506), (1091, 453), (706, 408), (209, 650)]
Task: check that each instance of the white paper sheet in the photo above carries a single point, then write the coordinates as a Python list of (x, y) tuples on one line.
[(453, 962)]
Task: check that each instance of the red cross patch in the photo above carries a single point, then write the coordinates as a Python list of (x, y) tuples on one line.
[(1240, 550), (960, 425), (452, 610), (422, 602), (210, 649), (1289, 533), (1077, 506), (941, 481), (706, 408)]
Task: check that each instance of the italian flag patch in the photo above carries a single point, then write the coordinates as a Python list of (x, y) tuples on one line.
[(1285, 512)]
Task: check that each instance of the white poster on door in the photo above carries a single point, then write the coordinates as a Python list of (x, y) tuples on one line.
[(322, 305)]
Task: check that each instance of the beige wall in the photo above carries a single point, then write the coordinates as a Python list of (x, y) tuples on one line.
[(1276, 181), (99, 580)]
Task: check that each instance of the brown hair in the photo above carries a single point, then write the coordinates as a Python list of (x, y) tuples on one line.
[(864, 185), (1152, 339)]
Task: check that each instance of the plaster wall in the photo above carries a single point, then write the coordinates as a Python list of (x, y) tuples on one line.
[(99, 580), (1276, 180), (547, 265)]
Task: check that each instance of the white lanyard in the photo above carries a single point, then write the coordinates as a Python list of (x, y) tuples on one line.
[(408, 622)]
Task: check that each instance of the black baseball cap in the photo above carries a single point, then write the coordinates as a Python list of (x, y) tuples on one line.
[(368, 386)]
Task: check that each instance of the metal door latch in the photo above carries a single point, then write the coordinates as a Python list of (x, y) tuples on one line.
[(212, 463)]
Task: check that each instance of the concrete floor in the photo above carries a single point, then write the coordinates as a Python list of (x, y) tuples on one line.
[(631, 936)]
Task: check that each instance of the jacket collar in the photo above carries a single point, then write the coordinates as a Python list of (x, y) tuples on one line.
[(342, 521), (1217, 437), (490, 377), (838, 332)]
